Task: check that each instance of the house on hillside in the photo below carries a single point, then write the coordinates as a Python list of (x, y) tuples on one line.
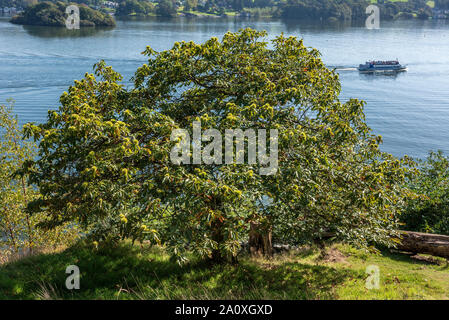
[(10, 10), (110, 4)]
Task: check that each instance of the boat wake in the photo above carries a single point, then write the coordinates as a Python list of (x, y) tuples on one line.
[(342, 68), (346, 69)]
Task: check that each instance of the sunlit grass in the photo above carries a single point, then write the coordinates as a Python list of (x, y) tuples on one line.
[(127, 272)]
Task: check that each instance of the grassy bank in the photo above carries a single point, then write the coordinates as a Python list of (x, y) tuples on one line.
[(129, 272)]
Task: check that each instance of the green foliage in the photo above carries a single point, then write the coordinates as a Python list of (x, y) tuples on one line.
[(53, 14), (322, 9), (263, 12), (18, 229), (351, 9), (292, 9), (311, 9), (429, 211), (104, 156), (190, 5), (166, 8), (134, 7), (26, 3), (15, 226), (88, 127)]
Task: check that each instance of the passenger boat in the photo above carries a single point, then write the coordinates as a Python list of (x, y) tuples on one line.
[(382, 66)]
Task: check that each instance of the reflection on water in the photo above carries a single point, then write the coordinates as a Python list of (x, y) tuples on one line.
[(62, 32), (374, 76), (320, 25)]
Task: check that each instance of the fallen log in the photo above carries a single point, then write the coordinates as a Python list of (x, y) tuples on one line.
[(428, 243), (413, 242)]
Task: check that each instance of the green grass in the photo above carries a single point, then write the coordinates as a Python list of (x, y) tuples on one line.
[(232, 13), (128, 272), (401, 277)]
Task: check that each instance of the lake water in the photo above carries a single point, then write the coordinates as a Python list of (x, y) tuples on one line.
[(410, 110)]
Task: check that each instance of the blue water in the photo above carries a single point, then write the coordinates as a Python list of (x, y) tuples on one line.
[(410, 110)]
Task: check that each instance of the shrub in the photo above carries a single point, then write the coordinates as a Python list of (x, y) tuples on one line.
[(19, 230), (429, 211)]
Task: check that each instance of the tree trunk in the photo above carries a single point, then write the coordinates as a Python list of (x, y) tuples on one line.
[(27, 217), (260, 240), (13, 238), (217, 236), (418, 242)]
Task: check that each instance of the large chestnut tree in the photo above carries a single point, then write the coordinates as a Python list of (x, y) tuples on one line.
[(104, 155)]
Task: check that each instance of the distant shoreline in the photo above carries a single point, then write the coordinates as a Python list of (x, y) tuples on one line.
[(347, 10), (54, 15)]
